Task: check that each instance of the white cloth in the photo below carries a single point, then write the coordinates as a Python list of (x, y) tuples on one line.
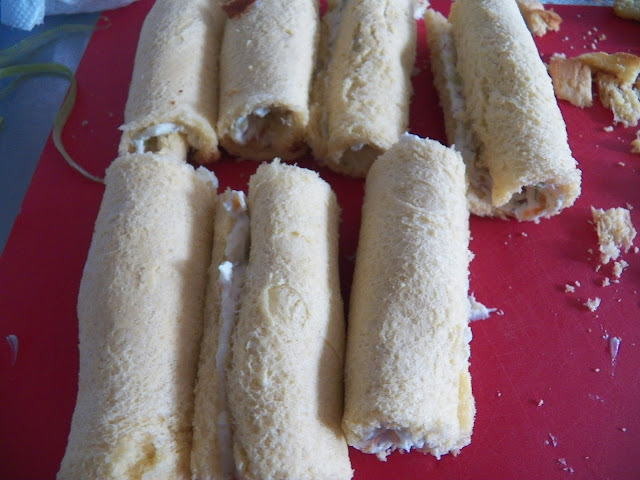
[(26, 14)]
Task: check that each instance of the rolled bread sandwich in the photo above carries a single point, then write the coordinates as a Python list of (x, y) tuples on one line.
[(500, 111), (365, 84), (407, 363), (266, 64), (140, 308), (173, 97), (285, 377), (212, 452)]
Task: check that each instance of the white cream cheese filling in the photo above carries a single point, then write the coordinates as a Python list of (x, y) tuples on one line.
[(141, 142)]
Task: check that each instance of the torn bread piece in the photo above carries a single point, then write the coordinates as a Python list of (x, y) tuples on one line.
[(617, 77), (539, 21), (286, 396), (212, 451), (140, 309), (615, 232), (497, 86), (622, 99), (368, 84), (172, 105), (407, 372), (266, 63), (627, 9), (571, 80)]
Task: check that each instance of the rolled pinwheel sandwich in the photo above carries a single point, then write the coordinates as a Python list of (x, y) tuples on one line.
[(212, 452), (266, 64), (500, 111), (140, 309), (362, 86), (407, 363), (284, 384), (172, 106)]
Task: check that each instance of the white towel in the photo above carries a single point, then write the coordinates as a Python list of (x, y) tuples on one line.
[(25, 14)]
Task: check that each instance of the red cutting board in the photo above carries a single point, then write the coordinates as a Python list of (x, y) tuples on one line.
[(550, 401)]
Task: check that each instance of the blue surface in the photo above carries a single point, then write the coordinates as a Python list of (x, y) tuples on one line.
[(29, 110)]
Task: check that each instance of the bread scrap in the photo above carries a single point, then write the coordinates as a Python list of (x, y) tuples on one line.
[(635, 144), (627, 9), (571, 80), (288, 345), (266, 62), (615, 232), (140, 310), (173, 103), (407, 371), (539, 21), (617, 78), (501, 112)]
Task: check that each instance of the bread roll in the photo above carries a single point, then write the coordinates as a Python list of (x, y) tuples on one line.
[(140, 311), (212, 453), (174, 89), (369, 85), (500, 108), (407, 363), (287, 349), (266, 64)]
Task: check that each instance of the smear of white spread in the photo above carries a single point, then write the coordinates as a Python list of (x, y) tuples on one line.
[(12, 340), (614, 346)]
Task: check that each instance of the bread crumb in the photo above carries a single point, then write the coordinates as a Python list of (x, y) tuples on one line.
[(622, 164), (618, 268), (598, 267), (477, 310), (597, 370), (538, 20), (569, 288), (592, 303), (614, 230), (635, 144), (577, 283), (540, 402), (608, 129), (566, 467), (606, 282), (623, 429)]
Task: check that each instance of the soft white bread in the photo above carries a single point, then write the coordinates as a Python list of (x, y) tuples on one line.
[(174, 88), (520, 164), (369, 84), (266, 64), (407, 364), (285, 389), (140, 310), (212, 451)]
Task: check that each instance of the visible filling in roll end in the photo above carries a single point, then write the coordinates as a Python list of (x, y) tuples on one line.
[(265, 128)]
